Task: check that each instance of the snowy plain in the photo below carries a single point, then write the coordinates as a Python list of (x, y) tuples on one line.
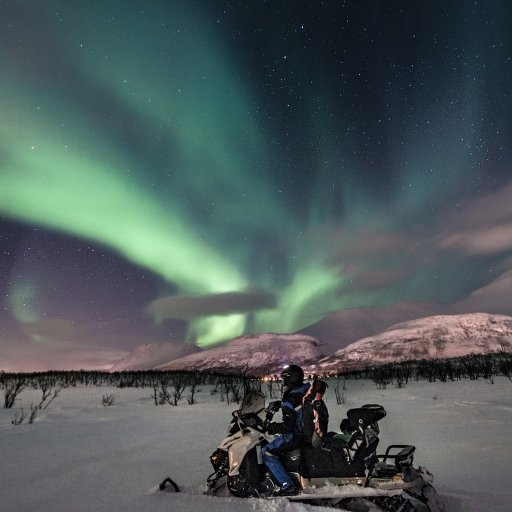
[(79, 456)]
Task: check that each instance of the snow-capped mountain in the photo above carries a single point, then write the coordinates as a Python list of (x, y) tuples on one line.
[(430, 337), (347, 326), (262, 354), (265, 354), (151, 355)]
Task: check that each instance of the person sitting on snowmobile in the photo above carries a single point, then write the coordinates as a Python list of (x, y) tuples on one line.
[(289, 430)]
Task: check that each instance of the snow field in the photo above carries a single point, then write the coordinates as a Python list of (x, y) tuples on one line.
[(79, 456)]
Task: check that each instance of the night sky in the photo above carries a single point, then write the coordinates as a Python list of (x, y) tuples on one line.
[(196, 170)]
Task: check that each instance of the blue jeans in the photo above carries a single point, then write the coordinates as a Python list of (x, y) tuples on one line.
[(272, 461)]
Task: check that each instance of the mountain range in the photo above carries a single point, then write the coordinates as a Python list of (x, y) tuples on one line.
[(435, 336)]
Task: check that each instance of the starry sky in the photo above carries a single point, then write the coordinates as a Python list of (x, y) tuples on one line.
[(191, 171)]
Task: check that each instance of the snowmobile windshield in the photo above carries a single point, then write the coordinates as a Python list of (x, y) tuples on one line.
[(253, 402)]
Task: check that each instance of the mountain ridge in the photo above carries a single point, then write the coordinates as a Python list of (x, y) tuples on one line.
[(432, 337), (435, 336)]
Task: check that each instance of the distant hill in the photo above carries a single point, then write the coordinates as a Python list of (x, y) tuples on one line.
[(430, 337), (262, 354), (342, 328), (151, 355)]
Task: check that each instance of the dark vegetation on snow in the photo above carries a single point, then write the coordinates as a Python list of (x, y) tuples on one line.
[(472, 367), (166, 387), (169, 388)]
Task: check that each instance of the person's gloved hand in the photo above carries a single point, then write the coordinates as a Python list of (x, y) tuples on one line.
[(272, 428)]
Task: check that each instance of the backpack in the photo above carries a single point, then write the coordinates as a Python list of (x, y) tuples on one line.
[(315, 416)]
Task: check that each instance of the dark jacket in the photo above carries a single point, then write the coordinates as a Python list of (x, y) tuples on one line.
[(291, 409)]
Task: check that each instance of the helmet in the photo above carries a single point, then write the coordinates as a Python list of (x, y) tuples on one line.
[(292, 375)]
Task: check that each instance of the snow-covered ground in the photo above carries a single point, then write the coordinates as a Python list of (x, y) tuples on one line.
[(79, 456)]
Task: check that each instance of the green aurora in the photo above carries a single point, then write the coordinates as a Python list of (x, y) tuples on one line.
[(144, 130)]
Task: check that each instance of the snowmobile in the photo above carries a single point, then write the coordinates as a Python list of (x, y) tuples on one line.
[(343, 472)]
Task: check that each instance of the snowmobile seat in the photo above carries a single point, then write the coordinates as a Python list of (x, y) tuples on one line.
[(369, 414)]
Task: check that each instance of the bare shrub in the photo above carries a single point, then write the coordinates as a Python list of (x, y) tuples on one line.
[(232, 389), (178, 386), (156, 394), (271, 389), (193, 382), (505, 365), (108, 400), (33, 413), (163, 395), (12, 388), (49, 395), (18, 419), (340, 394)]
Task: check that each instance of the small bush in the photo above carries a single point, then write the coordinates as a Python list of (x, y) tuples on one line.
[(18, 419), (108, 400), (33, 413), (12, 388)]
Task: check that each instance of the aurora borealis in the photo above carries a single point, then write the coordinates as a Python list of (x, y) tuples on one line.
[(197, 170)]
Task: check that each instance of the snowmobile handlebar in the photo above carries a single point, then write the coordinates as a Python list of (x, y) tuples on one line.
[(274, 406), (252, 420), (270, 410), (268, 419)]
